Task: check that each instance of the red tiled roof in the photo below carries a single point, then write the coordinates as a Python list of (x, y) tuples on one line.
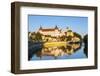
[(47, 29)]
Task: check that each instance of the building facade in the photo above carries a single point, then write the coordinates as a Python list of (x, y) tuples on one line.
[(54, 32)]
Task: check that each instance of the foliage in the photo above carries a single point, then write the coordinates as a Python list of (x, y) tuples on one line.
[(62, 38), (36, 36), (85, 38), (77, 35), (69, 38)]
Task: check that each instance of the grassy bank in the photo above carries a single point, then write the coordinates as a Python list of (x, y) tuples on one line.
[(50, 44)]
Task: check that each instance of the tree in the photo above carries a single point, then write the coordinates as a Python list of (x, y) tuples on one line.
[(62, 38), (33, 34), (77, 35), (69, 38), (38, 36), (85, 40)]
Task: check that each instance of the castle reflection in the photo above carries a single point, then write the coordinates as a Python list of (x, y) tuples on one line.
[(56, 51)]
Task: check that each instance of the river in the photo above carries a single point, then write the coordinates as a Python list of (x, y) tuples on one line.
[(65, 51)]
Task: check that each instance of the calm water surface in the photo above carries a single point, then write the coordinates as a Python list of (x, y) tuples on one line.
[(70, 51)]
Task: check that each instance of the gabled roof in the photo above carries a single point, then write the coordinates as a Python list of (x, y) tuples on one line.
[(48, 29)]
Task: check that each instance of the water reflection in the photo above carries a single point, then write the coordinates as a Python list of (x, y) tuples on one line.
[(41, 52)]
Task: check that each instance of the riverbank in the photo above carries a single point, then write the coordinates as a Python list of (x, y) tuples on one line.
[(50, 44)]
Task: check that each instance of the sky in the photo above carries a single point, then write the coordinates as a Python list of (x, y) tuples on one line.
[(76, 23)]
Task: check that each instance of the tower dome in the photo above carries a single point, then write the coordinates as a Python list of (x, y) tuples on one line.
[(69, 30)]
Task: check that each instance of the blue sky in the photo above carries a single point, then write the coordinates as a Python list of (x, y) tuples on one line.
[(77, 24)]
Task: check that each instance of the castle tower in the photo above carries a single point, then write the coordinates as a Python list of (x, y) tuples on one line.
[(69, 32), (56, 27), (40, 28)]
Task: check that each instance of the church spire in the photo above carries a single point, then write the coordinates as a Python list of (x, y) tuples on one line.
[(56, 27), (40, 28)]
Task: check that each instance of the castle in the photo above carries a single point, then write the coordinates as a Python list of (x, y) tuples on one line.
[(55, 32)]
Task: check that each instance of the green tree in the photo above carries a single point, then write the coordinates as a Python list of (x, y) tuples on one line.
[(85, 39), (62, 38), (33, 35), (77, 35), (38, 36), (69, 38)]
